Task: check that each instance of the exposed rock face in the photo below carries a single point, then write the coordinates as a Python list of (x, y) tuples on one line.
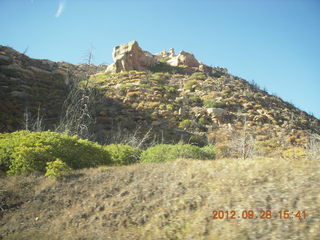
[(130, 56), (165, 54), (184, 58), (29, 85)]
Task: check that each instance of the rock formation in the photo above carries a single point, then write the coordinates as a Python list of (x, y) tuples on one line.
[(130, 56), (184, 58)]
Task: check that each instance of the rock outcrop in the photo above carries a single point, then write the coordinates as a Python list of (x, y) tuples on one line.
[(184, 58), (165, 54), (130, 56)]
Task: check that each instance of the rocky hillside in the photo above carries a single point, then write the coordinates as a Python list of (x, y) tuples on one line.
[(173, 96), (30, 85)]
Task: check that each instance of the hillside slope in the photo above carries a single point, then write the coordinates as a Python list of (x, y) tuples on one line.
[(31, 86), (166, 201), (173, 98)]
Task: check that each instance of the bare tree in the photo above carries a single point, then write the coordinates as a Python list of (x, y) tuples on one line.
[(33, 124), (136, 138), (243, 143), (313, 146), (78, 108)]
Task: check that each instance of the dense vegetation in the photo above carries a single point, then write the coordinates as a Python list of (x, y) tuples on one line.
[(24, 152), (167, 152), (53, 153)]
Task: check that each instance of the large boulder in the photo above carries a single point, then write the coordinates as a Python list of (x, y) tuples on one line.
[(130, 56), (184, 58)]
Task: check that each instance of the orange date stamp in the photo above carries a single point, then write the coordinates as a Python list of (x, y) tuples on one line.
[(261, 214)]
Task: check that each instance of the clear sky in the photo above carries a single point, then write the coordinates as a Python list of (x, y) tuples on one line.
[(276, 43)]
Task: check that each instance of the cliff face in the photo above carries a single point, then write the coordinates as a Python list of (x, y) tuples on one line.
[(173, 96), (29, 86)]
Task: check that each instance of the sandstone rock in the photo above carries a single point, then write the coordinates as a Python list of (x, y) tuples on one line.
[(204, 68), (165, 54), (130, 56), (171, 52), (162, 54), (184, 58)]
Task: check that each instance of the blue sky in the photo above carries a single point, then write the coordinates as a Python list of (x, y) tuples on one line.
[(274, 43)]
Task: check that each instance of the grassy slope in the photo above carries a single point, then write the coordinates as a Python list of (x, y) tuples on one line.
[(164, 201)]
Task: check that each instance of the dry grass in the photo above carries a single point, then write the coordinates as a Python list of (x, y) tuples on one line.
[(165, 201)]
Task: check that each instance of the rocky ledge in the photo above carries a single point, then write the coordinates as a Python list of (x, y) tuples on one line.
[(130, 56)]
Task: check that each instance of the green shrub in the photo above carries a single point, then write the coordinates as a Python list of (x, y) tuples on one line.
[(191, 84), (57, 168), (123, 154), (268, 147), (210, 103), (196, 100), (198, 76), (160, 77), (202, 121), (165, 67), (210, 150), (197, 140), (185, 124), (295, 153), (25, 152), (167, 152)]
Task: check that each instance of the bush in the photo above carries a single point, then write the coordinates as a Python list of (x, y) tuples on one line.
[(25, 152), (191, 84), (295, 153), (198, 76), (167, 152), (57, 168), (185, 124), (197, 140), (166, 68), (268, 148), (197, 101), (160, 77), (210, 103), (210, 151), (123, 154), (202, 121)]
